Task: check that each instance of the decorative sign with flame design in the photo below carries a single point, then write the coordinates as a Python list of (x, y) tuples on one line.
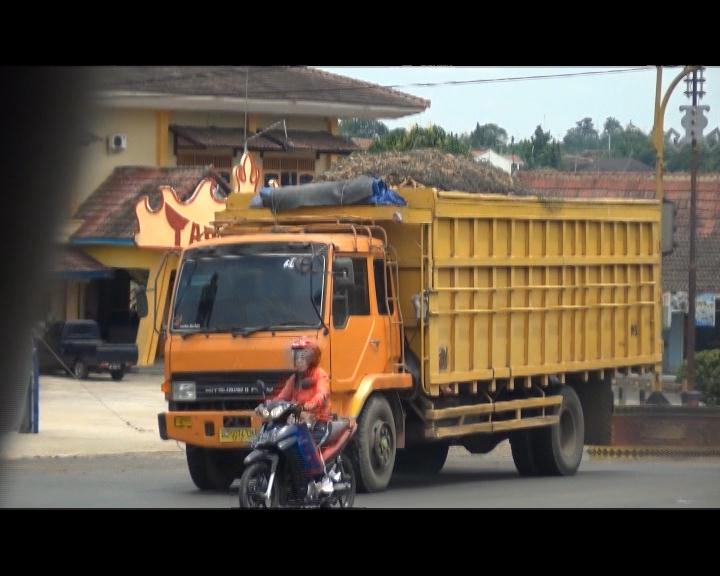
[(178, 224)]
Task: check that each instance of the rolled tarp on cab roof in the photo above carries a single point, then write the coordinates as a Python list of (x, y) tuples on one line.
[(361, 190)]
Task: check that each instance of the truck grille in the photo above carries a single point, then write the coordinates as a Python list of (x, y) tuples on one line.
[(228, 390)]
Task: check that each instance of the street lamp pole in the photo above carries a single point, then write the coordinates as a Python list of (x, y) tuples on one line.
[(657, 138), (658, 131)]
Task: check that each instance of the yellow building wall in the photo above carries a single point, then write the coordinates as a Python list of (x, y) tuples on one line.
[(96, 163), (146, 145)]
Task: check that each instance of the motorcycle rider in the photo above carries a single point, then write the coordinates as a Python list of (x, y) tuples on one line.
[(310, 387)]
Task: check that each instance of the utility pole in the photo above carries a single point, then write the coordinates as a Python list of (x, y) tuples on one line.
[(691, 394)]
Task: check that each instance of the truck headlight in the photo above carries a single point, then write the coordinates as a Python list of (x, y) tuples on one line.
[(184, 391)]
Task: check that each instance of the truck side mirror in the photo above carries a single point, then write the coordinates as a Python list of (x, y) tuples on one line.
[(343, 274), (141, 301)]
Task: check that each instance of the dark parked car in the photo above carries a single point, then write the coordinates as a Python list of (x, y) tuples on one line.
[(79, 345)]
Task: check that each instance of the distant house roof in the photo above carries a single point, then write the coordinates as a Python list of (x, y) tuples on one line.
[(109, 212), (615, 165), (273, 140), (642, 185), (514, 158), (269, 89), (363, 143)]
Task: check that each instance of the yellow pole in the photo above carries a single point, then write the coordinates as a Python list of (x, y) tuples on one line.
[(657, 136), (658, 132)]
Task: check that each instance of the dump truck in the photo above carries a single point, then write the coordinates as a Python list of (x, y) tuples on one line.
[(459, 319)]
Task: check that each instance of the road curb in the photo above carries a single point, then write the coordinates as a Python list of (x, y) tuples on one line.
[(599, 452)]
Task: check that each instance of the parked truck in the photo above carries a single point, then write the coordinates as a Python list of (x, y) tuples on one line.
[(77, 345), (459, 319)]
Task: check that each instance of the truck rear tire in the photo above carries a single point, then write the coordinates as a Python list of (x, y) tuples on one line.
[(426, 459), (117, 375), (375, 445), (596, 399), (523, 452), (558, 449), (214, 469)]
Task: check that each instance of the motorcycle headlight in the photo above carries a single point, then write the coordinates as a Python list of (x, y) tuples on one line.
[(184, 391), (277, 411)]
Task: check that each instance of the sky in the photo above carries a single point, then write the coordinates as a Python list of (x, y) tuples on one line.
[(556, 104)]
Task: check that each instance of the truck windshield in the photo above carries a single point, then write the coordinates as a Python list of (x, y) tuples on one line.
[(246, 288)]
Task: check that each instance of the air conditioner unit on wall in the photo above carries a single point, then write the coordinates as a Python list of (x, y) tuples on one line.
[(117, 142)]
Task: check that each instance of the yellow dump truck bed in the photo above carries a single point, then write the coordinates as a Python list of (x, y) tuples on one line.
[(516, 287)]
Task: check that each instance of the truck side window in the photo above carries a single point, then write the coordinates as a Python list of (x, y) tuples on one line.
[(353, 301), (380, 287)]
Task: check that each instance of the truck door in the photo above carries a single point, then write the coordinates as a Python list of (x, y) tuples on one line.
[(356, 344)]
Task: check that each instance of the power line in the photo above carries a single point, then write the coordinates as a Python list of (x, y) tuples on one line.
[(517, 78)]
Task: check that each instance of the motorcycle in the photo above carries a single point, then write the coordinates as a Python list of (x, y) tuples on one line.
[(287, 469)]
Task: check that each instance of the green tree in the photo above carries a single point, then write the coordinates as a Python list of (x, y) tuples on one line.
[(488, 136), (582, 137), (363, 128), (540, 151), (612, 132), (417, 137), (678, 159), (636, 144)]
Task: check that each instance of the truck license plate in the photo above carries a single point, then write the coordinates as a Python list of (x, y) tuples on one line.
[(236, 434)]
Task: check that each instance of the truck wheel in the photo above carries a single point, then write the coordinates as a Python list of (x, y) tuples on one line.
[(523, 452), (80, 370), (596, 399), (117, 375), (558, 449), (426, 459), (214, 469), (375, 445)]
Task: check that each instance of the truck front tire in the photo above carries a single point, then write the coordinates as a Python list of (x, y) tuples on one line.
[(214, 469), (375, 445)]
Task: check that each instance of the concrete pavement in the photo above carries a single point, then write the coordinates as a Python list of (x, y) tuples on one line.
[(93, 417)]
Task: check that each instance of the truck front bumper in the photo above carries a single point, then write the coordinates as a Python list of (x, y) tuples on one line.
[(234, 429)]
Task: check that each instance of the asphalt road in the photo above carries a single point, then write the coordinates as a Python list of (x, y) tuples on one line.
[(160, 480)]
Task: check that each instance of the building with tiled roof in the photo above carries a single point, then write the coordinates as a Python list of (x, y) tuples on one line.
[(173, 133)]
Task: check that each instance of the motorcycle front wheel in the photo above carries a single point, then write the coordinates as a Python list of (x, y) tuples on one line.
[(254, 485)]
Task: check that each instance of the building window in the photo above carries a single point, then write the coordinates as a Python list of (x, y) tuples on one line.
[(288, 171), (222, 164)]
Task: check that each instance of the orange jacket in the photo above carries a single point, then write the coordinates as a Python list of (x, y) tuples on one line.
[(315, 398)]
